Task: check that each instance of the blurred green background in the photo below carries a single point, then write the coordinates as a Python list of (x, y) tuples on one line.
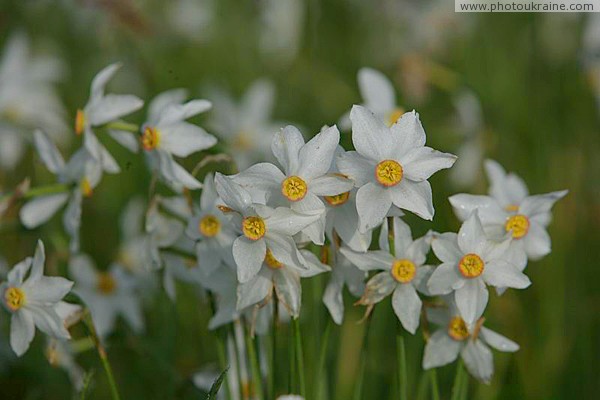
[(532, 76)]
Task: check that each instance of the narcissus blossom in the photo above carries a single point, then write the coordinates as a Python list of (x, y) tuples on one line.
[(469, 339), (403, 273), (390, 166), (470, 261), (260, 228), (32, 300)]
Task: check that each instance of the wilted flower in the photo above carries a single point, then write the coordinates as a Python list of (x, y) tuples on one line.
[(390, 166), (33, 301)]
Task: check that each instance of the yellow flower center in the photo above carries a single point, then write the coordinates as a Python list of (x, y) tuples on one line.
[(338, 199), (271, 261), (394, 116), (254, 228), (518, 224), (512, 208), (471, 266), (86, 187), (404, 271), (106, 283), (14, 298), (209, 226), (79, 122), (457, 329), (294, 188), (150, 138), (388, 173)]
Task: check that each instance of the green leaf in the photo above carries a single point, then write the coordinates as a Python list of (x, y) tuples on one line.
[(214, 389)]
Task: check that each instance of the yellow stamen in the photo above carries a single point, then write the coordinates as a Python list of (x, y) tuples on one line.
[(518, 224), (225, 209), (271, 261), (404, 270), (14, 298), (150, 138), (79, 122), (394, 116), (388, 173), (209, 226), (86, 187), (254, 228), (338, 199), (471, 266), (294, 188), (457, 329), (106, 283)]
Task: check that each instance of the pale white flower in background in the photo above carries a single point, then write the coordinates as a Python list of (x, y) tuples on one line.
[(107, 294), (379, 96), (60, 354), (100, 109), (290, 397), (305, 176), (403, 273), (81, 174), (343, 273), (466, 170), (282, 278), (470, 261), (28, 99), (390, 166), (32, 300), (262, 228), (510, 208), (469, 339), (166, 134), (161, 232), (193, 19), (246, 127), (282, 23), (211, 230)]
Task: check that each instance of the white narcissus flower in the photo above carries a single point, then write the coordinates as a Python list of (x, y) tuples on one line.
[(161, 232), (470, 340), (193, 19), (246, 127), (28, 99), (403, 273), (282, 23), (262, 228), (107, 294), (166, 134), (378, 95), (510, 208), (470, 261), (305, 176), (81, 174), (60, 354), (343, 273), (283, 278), (33, 300), (211, 230), (390, 166), (100, 109)]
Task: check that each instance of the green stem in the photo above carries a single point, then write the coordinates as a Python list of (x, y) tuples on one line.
[(123, 126), (391, 236), (273, 356), (38, 191), (458, 381), (254, 367), (358, 388), (319, 381), (89, 323), (435, 392), (402, 374), (299, 356)]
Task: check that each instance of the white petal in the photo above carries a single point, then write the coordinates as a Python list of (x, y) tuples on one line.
[(471, 237), (376, 90), (48, 321), (345, 223), (48, 152), (444, 279), (316, 156), (498, 341), (22, 331), (112, 107), (183, 139), (500, 273), (378, 287), (408, 134), (356, 167), (419, 164), (102, 78), (402, 237), (249, 257), (208, 257), (330, 185), (537, 242), (132, 312), (17, 273), (175, 174), (83, 271), (490, 211), (255, 290), (257, 103), (48, 290), (445, 247), (334, 301), (540, 204), (471, 299), (286, 147), (72, 220), (479, 360), (39, 210), (164, 99), (288, 289), (440, 350), (407, 306), (264, 177), (369, 261), (414, 197), (125, 139), (174, 113), (372, 204), (286, 221), (370, 136), (233, 195), (508, 189)]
